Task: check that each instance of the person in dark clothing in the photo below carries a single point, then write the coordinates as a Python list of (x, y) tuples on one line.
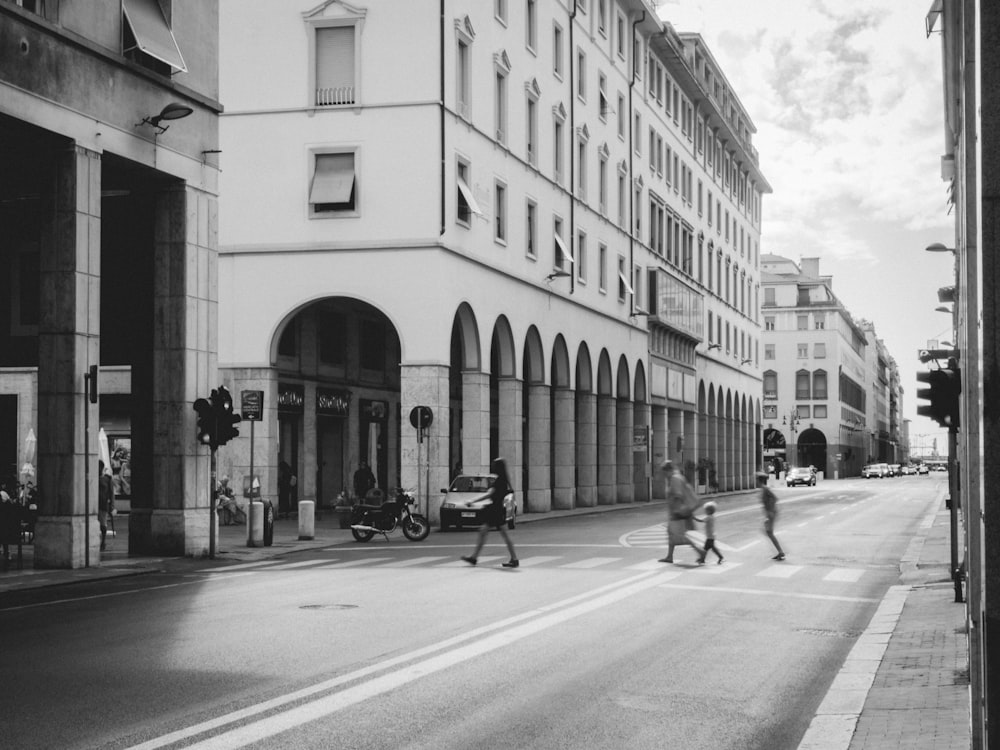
[(497, 515), (286, 485), (105, 499), (364, 480)]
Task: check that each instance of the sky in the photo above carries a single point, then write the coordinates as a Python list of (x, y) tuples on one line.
[(846, 99)]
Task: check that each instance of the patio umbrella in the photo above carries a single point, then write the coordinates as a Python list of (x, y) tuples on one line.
[(104, 453), (28, 468)]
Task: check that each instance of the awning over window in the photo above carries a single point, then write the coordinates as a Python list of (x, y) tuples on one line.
[(563, 249), (467, 194), (628, 287), (333, 180), (152, 32)]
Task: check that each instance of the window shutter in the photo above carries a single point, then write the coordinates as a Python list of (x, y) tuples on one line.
[(335, 65)]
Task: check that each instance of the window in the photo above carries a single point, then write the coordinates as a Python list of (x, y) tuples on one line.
[(768, 351), (557, 151), (465, 202), (819, 351), (602, 17), (531, 127), (802, 322), (531, 228), (623, 286), (500, 11), (819, 385), (147, 38), (602, 96), (581, 257), (531, 25), (500, 105), (581, 168), (621, 116), (463, 77), (802, 385), (620, 37), (500, 212), (581, 75), (819, 321), (602, 267), (802, 351), (562, 255), (622, 199), (557, 50), (819, 411), (637, 283), (802, 411), (637, 134), (602, 185), (770, 385), (333, 188), (769, 295)]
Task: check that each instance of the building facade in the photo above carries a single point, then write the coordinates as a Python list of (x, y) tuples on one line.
[(540, 220), (819, 397), (885, 437), (108, 203)]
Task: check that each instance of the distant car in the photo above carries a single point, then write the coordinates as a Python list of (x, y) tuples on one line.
[(941, 467), (908, 470), (875, 471), (800, 475), (895, 470), (922, 469), (467, 501)]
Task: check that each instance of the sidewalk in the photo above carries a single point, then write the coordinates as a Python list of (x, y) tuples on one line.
[(905, 684)]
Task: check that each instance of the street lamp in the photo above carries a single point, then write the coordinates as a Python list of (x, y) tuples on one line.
[(792, 423), (937, 247)]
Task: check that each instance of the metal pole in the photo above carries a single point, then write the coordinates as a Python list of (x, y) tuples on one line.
[(212, 520), (953, 500), (86, 470), (250, 504)]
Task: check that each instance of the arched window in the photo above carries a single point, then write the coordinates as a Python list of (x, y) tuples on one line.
[(802, 385), (770, 384), (819, 384)]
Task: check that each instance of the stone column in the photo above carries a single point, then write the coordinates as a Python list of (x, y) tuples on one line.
[(184, 367), (537, 453), (586, 449), (68, 344), (607, 450), (564, 448), (677, 450), (475, 422), (625, 491), (511, 395), (424, 465), (308, 456), (661, 450)]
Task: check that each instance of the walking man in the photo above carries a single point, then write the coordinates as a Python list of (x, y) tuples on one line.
[(770, 503), (681, 502)]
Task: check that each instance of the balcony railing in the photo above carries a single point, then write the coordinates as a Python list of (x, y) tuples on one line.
[(329, 97)]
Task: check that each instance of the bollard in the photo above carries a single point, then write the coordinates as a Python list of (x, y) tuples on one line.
[(256, 518), (307, 525)]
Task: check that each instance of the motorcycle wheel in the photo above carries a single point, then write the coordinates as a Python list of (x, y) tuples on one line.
[(416, 528), (362, 536)]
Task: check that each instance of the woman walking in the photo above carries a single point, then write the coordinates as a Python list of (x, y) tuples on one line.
[(770, 503), (496, 515)]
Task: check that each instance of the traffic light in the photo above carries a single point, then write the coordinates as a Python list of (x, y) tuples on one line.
[(226, 420), (945, 385), (205, 432)]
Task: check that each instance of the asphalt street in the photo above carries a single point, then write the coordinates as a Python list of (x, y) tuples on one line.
[(590, 643)]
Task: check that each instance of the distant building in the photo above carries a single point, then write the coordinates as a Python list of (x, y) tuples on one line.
[(817, 387), (885, 436), (540, 221)]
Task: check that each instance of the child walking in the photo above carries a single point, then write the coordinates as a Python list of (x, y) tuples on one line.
[(709, 520)]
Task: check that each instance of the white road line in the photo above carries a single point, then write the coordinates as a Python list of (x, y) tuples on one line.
[(746, 546), (506, 630), (413, 561), (299, 564), (800, 525), (355, 563), (591, 562), (767, 592), (779, 571), (714, 569), (242, 566), (844, 575), (527, 562), (647, 565), (485, 560)]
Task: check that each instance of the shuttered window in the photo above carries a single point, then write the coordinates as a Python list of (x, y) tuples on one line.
[(335, 82)]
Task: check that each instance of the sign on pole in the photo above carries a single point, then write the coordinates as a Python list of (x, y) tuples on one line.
[(252, 405)]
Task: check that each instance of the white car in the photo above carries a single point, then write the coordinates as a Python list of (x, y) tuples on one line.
[(467, 502)]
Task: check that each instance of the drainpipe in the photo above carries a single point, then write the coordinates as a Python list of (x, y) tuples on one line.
[(572, 151), (631, 167), (441, 119)]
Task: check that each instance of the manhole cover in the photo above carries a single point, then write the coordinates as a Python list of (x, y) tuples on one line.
[(329, 606)]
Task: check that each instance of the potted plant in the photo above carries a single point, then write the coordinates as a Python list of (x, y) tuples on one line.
[(342, 507)]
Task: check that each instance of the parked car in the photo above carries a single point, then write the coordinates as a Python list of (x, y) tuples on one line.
[(466, 502), (922, 469), (800, 475), (908, 470), (895, 470)]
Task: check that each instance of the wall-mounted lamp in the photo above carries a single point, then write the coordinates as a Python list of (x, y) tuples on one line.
[(746, 361), (948, 344), (713, 346), (173, 111), (937, 247), (942, 308), (556, 275)]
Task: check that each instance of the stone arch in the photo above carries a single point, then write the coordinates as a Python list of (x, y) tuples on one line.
[(466, 328), (605, 383), (502, 351), (639, 389), (559, 369), (533, 359)]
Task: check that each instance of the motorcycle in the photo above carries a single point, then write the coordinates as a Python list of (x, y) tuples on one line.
[(369, 520)]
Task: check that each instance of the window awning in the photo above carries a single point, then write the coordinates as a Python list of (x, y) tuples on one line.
[(563, 249), (463, 188), (628, 286), (333, 180), (152, 32)]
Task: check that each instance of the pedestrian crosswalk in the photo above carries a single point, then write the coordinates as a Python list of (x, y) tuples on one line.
[(767, 570)]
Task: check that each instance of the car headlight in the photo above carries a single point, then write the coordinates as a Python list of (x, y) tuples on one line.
[(448, 505)]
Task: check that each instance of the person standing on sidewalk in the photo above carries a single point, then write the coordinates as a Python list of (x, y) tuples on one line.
[(709, 521), (770, 503), (496, 515), (105, 500)]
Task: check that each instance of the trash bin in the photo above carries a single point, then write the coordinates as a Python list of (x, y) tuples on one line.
[(268, 523)]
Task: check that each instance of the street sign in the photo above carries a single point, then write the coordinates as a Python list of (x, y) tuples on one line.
[(421, 417), (840, 456), (252, 405)]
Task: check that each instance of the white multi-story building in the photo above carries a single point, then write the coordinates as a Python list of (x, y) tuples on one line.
[(541, 220)]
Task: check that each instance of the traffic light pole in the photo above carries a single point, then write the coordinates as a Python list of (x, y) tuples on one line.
[(954, 492), (213, 519)]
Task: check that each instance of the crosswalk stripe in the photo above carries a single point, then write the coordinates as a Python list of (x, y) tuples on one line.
[(844, 575), (779, 571), (244, 566), (714, 569), (299, 564), (412, 561), (591, 562), (463, 564), (647, 565), (527, 562), (354, 563)]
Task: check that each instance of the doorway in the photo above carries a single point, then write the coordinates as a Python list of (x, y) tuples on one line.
[(330, 469)]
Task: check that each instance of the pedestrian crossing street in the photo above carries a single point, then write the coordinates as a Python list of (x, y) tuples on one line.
[(772, 570)]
